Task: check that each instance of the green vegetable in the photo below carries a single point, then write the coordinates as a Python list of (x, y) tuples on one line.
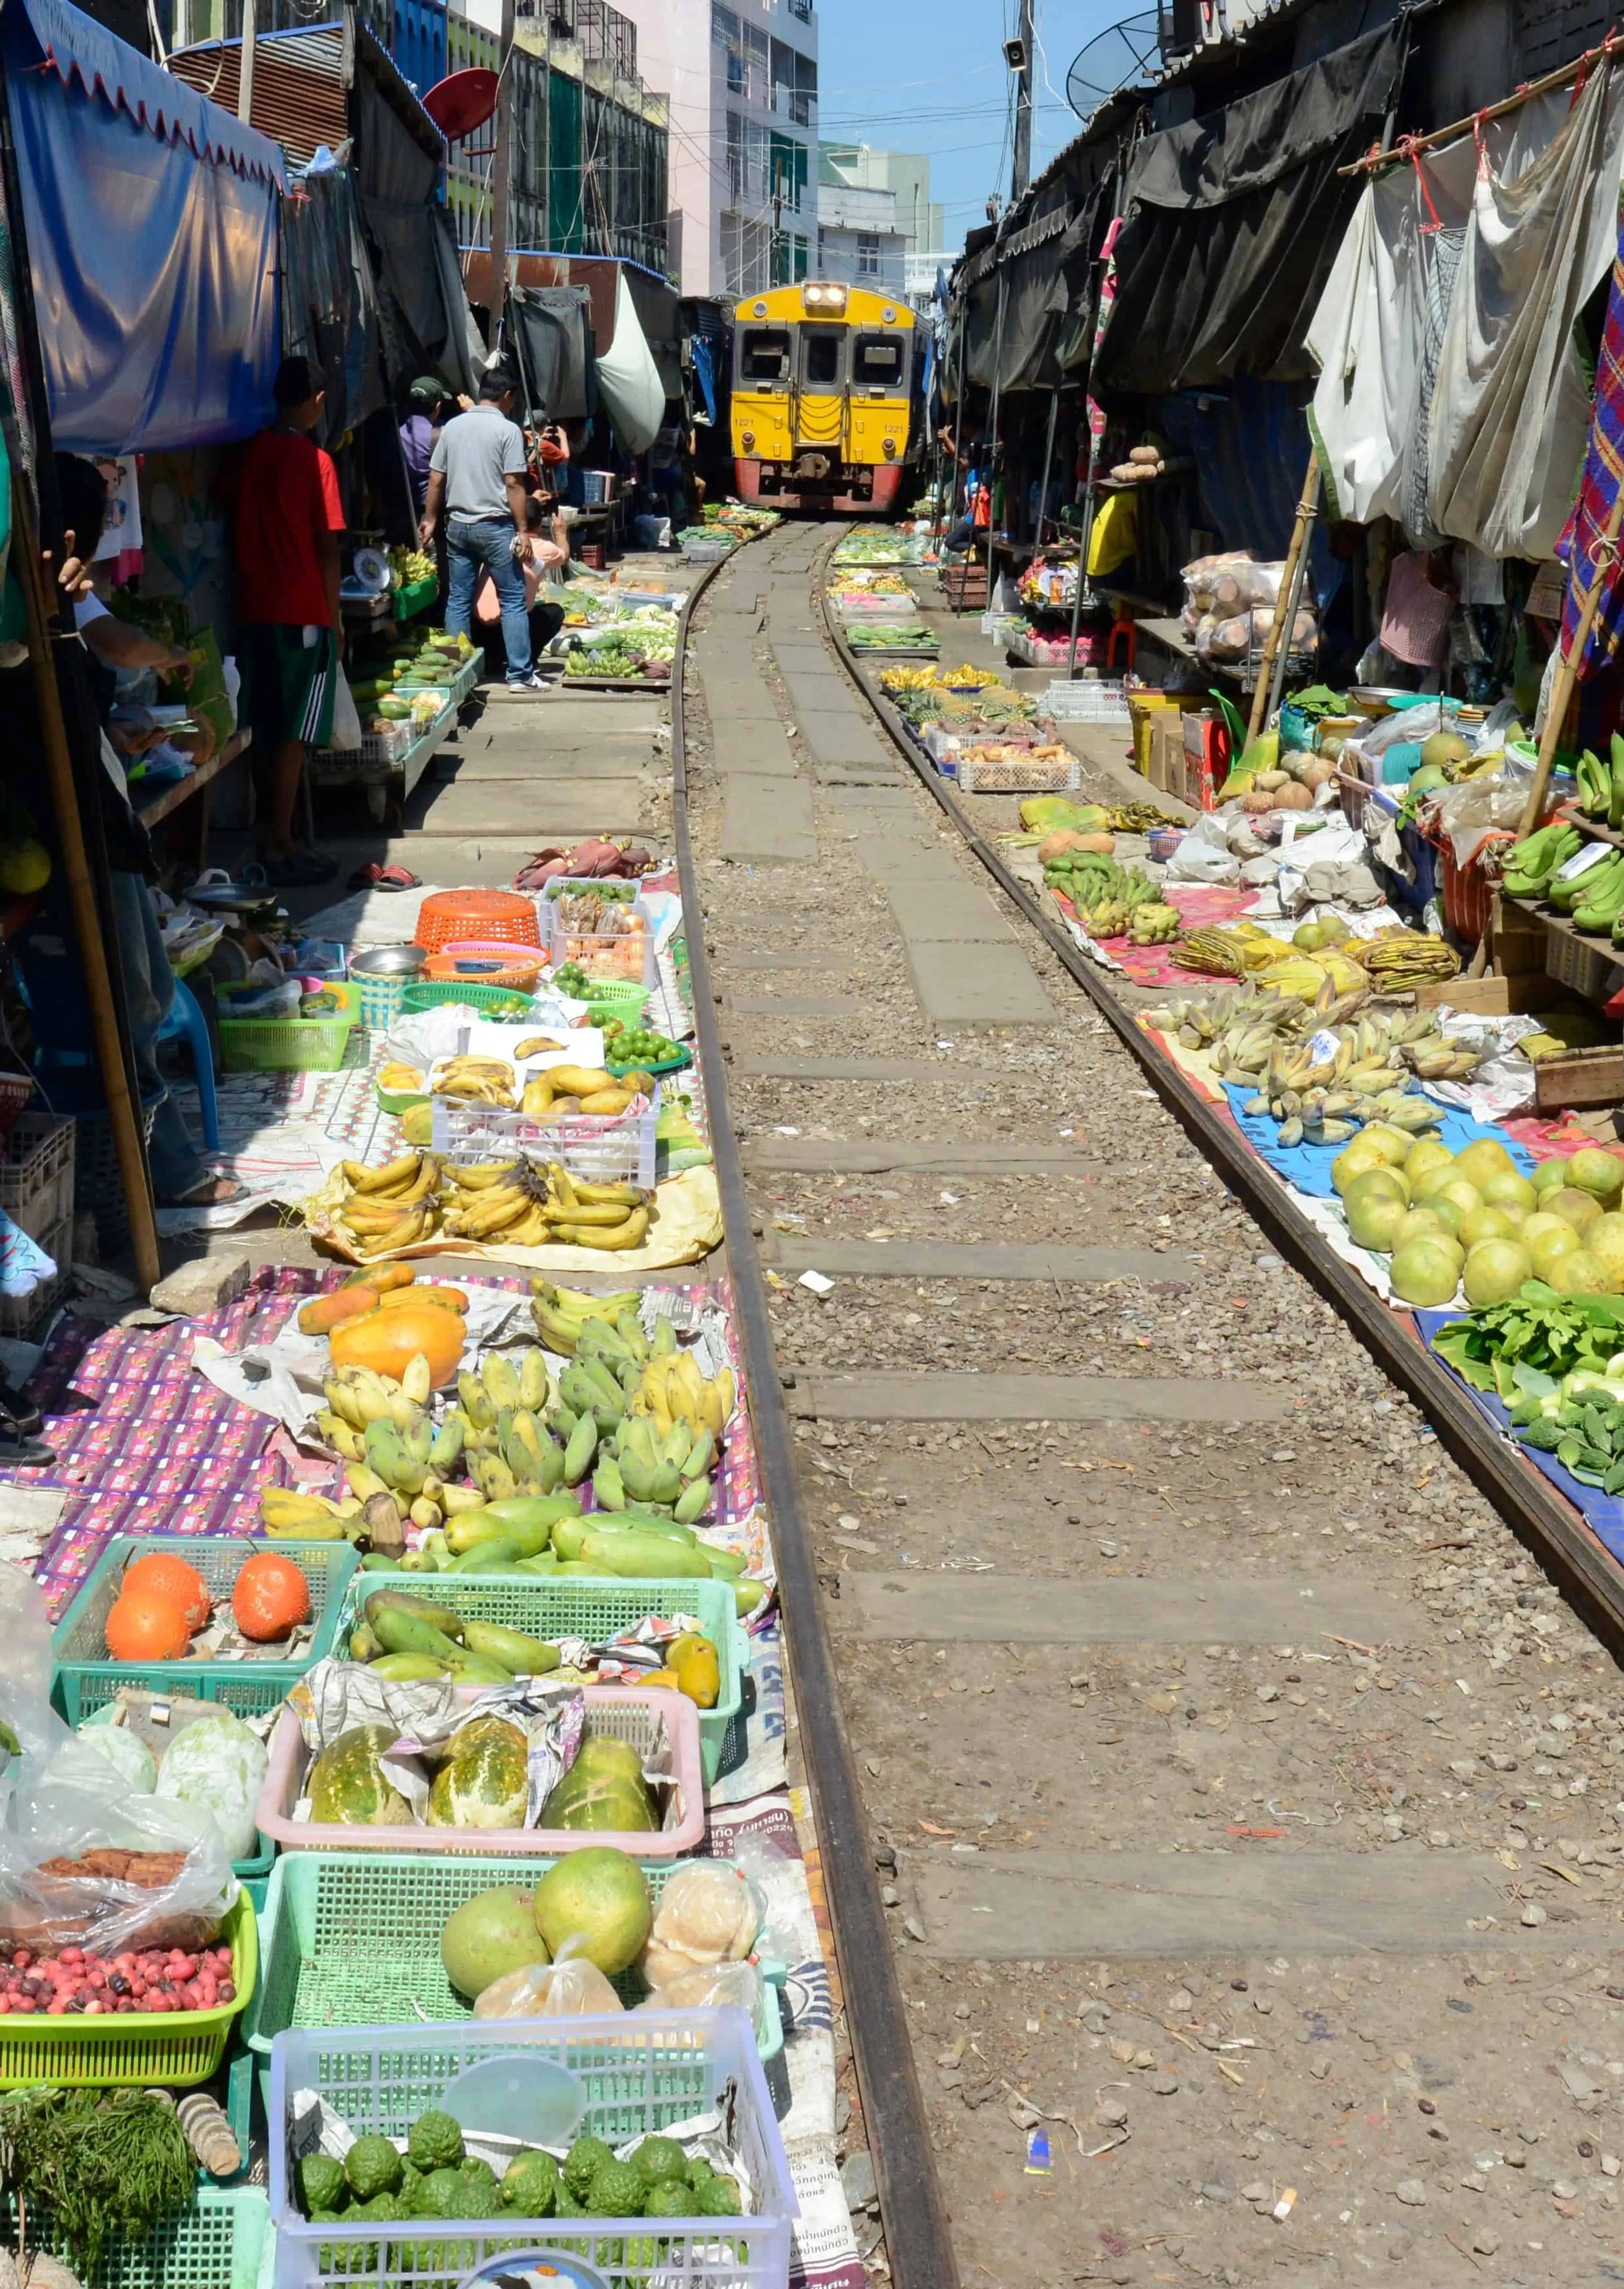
[(103, 2165), (661, 2160), (476, 2170), (581, 2165), (617, 2190), (434, 2142), (530, 2185), (439, 2193), (1541, 1329)]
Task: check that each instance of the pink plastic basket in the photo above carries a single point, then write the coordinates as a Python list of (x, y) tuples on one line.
[(662, 1724)]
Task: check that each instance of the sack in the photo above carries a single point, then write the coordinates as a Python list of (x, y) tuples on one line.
[(346, 719)]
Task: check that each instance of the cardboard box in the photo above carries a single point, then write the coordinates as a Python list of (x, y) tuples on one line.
[(1167, 759), (1206, 757)]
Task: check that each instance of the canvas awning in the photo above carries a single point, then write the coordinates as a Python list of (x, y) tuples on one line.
[(152, 225)]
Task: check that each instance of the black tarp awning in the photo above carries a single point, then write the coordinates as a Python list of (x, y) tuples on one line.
[(554, 328), (329, 305), (422, 308), (658, 314), (1233, 222)]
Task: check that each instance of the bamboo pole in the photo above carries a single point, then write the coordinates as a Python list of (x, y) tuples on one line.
[(1307, 509), (93, 953), (1412, 144)]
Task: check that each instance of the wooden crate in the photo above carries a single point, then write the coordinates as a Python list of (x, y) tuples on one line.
[(1581, 1078), (1515, 996)]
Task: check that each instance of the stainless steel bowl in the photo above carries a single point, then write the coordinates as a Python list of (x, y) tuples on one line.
[(389, 962), (1377, 699)]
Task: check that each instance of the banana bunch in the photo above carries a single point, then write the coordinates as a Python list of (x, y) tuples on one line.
[(1155, 924), (1220, 953), (561, 1312), (672, 1390), (359, 1396), (496, 1200), (477, 1080), (398, 1079), (1108, 921), (635, 1466), (294, 1517), (1400, 963), (612, 1217), (388, 1207)]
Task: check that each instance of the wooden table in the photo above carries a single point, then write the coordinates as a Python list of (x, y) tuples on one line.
[(180, 792)]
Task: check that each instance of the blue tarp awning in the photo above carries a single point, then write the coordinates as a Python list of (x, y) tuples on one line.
[(152, 221)]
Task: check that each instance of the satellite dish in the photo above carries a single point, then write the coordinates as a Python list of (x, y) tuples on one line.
[(1122, 56), (463, 102)]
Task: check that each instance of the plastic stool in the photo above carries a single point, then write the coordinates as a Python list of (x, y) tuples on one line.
[(186, 1021), (1122, 627)]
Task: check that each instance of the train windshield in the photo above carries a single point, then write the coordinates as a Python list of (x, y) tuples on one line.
[(820, 360), (877, 360), (763, 354)]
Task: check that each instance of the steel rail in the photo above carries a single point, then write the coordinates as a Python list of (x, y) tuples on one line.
[(1541, 1519), (916, 2239)]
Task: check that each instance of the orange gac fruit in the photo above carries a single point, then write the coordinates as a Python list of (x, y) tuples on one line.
[(389, 1341), (322, 1313), (144, 1626), (161, 1573), (270, 1599), (448, 1299)]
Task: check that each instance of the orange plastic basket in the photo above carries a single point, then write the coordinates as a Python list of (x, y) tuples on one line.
[(449, 916), (519, 971)]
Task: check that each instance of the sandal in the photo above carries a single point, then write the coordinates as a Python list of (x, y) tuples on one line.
[(194, 1196), (374, 877), (20, 1453), (295, 872)]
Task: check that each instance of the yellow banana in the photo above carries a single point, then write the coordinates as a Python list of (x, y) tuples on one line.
[(628, 1234), (418, 1380), (581, 1212), (362, 1180), (481, 1176)]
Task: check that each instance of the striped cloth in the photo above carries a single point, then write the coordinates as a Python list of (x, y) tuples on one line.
[(1598, 492)]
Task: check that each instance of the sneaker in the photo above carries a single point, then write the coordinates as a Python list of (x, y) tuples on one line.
[(530, 682)]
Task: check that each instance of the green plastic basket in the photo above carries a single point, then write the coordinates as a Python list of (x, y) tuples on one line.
[(354, 1937), (83, 1676), (217, 2242), (576, 1607), (135, 2049), (283, 1044), (610, 997), (683, 1058), (436, 992)]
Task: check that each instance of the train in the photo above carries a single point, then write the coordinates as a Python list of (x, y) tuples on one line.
[(824, 385)]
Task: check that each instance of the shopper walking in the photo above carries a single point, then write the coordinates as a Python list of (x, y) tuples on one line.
[(476, 482), (289, 636)]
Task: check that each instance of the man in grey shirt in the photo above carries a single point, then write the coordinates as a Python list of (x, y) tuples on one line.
[(476, 476)]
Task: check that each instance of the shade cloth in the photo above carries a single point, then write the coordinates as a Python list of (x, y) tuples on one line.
[(627, 378), (151, 219), (1232, 222), (553, 326)]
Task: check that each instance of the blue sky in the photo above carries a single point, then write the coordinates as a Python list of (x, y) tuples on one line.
[(949, 95)]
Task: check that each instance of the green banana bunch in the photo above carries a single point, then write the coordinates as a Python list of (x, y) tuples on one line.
[(1595, 785), (1531, 863)]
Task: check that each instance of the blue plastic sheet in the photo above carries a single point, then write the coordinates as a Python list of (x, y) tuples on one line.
[(1604, 1514), (1308, 1167), (152, 222)]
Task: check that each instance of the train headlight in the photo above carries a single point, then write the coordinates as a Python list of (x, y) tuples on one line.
[(747, 440)]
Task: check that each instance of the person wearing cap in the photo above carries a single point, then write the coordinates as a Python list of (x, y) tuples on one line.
[(290, 638), (427, 399), (477, 479)]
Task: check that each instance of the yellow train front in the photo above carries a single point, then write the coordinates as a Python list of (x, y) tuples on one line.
[(823, 378)]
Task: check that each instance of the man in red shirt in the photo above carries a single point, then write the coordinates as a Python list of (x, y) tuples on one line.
[(290, 637)]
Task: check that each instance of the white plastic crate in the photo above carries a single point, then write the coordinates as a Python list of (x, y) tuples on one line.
[(639, 2071), (1089, 699), (36, 1173), (602, 1149), (1028, 775), (600, 954)]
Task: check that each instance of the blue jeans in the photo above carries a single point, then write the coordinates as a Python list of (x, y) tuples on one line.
[(150, 993), (471, 542)]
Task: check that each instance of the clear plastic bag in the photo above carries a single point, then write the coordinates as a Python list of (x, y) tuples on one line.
[(711, 1987), (566, 1989), (85, 1863), (710, 1912), (31, 1733)]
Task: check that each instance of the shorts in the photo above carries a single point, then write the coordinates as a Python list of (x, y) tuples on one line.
[(288, 685)]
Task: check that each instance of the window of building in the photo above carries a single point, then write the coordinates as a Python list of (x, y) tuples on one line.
[(868, 255), (724, 26), (763, 354), (803, 248), (878, 360)]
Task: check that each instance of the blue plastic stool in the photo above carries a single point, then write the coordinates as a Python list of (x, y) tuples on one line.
[(186, 1021)]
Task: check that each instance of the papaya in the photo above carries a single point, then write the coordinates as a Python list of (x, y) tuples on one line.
[(322, 1313), (382, 1277), (449, 1299)]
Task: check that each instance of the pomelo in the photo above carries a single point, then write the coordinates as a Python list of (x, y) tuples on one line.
[(601, 1897), (1447, 1212), (1389, 1184), (1550, 1176), (1481, 1158), (1605, 1238), (1373, 1219), (1509, 1190), (1580, 1210), (1494, 1272), (1393, 1143), (1581, 1274), (1597, 1173), (1353, 1157), (1465, 1196), (1419, 1223), (1425, 1272), (1483, 1224), (1547, 1251), (1427, 1153), (488, 1937)]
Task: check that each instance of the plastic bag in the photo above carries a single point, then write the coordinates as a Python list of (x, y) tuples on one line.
[(710, 1912), (124, 1751), (711, 1987), (1202, 856), (219, 1765), (83, 1865), (564, 1990), (30, 1730), (346, 736)]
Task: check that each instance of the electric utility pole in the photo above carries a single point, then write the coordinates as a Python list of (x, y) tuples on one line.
[(1020, 52)]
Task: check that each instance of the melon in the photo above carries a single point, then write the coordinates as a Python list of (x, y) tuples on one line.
[(485, 1781), (601, 1897), (604, 1789), (489, 1936), (348, 1784)]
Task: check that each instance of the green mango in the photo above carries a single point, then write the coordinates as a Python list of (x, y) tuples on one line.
[(748, 1596), (469, 1671), (495, 1550), (514, 1649), (410, 1668), (398, 1632), (378, 1561), (443, 1618), (637, 1554)]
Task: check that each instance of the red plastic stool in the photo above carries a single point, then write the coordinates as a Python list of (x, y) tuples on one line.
[(1125, 628)]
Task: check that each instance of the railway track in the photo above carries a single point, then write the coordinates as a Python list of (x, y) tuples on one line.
[(1216, 1757)]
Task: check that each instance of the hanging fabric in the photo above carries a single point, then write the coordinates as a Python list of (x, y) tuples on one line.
[(629, 380), (1580, 547)]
